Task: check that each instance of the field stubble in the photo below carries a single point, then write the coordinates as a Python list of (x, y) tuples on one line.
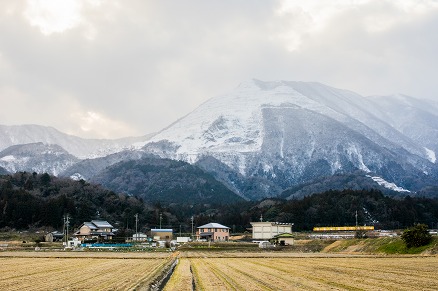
[(216, 271), (308, 273), (79, 273)]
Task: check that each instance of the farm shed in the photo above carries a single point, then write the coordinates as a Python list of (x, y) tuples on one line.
[(213, 232), (162, 233), (54, 236), (283, 239)]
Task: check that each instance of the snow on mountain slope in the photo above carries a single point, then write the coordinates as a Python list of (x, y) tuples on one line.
[(289, 132), (265, 137), (387, 184), (79, 147), (417, 119), (234, 121), (36, 157)]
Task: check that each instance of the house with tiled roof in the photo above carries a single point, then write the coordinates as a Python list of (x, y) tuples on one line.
[(95, 230), (213, 232)]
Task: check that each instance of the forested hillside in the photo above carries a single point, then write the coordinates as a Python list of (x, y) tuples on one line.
[(30, 200), (3, 171), (39, 200), (337, 208), (165, 181)]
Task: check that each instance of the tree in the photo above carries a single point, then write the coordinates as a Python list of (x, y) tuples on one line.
[(416, 236)]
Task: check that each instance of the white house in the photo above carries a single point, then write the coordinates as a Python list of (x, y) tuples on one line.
[(266, 230)]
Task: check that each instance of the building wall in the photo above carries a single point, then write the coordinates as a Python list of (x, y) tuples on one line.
[(84, 230), (164, 235), (266, 230), (218, 234)]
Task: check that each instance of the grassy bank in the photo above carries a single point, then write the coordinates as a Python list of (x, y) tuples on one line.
[(380, 246)]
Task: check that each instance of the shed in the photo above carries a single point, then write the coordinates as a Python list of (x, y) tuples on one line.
[(54, 236), (283, 239), (162, 233)]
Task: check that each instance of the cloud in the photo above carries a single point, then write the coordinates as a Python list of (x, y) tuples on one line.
[(92, 124), (52, 16), (141, 65)]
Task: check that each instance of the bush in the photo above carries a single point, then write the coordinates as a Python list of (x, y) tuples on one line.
[(416, 236)]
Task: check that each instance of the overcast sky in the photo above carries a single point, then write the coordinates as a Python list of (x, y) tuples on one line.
[(107, 69)]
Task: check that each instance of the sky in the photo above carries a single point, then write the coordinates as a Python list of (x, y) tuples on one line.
[(110, 69)]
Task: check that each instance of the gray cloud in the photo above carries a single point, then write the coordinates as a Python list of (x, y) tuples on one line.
[(131, 68)]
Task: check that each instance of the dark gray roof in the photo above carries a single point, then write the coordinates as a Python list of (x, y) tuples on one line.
[(102, 224)]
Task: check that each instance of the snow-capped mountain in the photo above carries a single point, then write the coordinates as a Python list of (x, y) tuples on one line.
[(79, 147), (36, 157), (286, 133), (263, 138)]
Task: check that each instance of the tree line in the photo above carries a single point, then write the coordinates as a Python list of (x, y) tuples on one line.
[(31, 200)]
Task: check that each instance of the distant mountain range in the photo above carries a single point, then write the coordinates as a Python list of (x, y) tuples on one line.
[(79, 147), (259, 140)]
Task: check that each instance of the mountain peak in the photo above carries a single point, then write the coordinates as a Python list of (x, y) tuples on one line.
[(264, 129)]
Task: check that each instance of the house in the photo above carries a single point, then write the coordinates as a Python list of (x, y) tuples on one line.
[(95, 230), (54, 236), (162, 233), (265, 230), (213, 232)]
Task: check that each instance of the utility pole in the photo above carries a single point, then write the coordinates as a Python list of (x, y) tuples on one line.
[(136, 226), (66, 222), (63, 230), (161, 217), (356, 220), (192, 226)]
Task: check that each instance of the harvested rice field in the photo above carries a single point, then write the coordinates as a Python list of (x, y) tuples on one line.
[(81, 273), (216, 271), (301, 273)]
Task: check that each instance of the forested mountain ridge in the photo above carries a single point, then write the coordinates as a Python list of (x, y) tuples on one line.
[(39, 200), (166, 181), (30, 200)]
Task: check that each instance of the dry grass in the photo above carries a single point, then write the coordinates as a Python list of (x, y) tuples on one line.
[(77, 273), (86, 254), (310, 273), (216, 271), (181, 278)]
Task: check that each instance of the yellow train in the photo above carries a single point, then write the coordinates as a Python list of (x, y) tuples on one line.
[(342, 228)]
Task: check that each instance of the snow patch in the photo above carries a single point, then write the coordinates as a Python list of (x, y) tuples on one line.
[(431, 155), (77, 177), (8, 158), (267, 168), (388, 185), (356, 155)]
